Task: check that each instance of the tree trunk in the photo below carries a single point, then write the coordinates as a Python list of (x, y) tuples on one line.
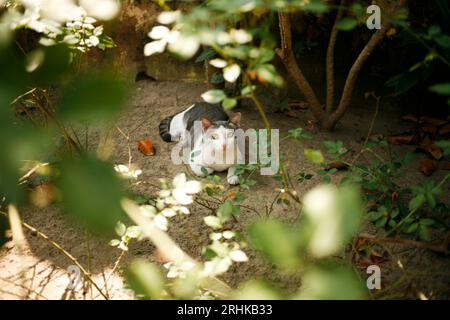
[(287, 57)]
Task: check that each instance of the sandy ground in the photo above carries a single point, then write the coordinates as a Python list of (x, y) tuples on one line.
[(40, 271)]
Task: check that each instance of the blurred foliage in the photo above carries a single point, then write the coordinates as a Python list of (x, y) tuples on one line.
[(432, 37), (91, 191)]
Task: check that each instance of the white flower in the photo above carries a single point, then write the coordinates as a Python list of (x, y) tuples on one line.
[(320, 208), (218, 63), (184, 189), (183, 45), (240, 36), (215, 236), (169, 212), (223, 38), (231, 73), (181, 209), (101, 9), (213, 222), (228, 234), (168, 17), (238, 256), (159, 32), (125, 171), (160, 222), (94, 41), (153, 47)]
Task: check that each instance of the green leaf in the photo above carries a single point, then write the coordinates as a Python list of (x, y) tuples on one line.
[(94, 97), (48, 65), (416, 202), (424, 233), (120, 229), (316, 7), (375, 215), (443, 40), (441, 88), (276, 241), (145, 279), (114, 242), (426, 222), (229, 103), (225, 211), (412, 228), (206, 54), (434, 30), (91, 192), (430, 199), (217, 78), (347, 24), (381, 222), (270, 74), (445, 145), (214, 96), (331, 282), (315, 156)]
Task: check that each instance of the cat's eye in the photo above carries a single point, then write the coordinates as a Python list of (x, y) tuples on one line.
[(230, 134), (214, 137)]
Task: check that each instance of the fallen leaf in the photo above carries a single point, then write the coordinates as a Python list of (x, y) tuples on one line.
[(364, 264), (445, 130), (377, 257), (292, 114), (446, 166), (300, 105), (43, 195), (410, 118), (146, 147), (428, 146), (394, 196), (429, 121), (311, 124), (430, 130), (427, 167), (401, 139)]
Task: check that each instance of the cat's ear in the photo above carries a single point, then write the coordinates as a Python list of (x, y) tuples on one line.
[(206, 123), (236, 119)]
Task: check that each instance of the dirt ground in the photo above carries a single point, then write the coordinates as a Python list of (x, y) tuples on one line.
[(40, 271)]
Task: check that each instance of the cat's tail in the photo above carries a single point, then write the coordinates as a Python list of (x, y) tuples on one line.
[(164, 129)]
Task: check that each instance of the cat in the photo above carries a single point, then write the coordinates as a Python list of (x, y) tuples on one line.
[(214, 148)]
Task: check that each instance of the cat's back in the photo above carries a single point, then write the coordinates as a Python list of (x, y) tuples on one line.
[(212, 112)]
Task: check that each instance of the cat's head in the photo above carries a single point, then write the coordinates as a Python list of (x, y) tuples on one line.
[(220, 134)]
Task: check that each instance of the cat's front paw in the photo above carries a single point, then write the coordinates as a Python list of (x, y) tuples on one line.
[(233, 180)]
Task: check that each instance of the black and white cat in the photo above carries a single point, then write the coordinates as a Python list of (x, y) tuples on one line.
[(215, 139)]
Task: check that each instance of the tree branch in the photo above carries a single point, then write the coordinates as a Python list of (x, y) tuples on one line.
[(330, 59), (356, 69), (287, 57)]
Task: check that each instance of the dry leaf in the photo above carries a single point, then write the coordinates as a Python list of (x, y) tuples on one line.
[(445, 130), (146, 147), (300, 105), (427, 167), (292, 114), (401, 139), (411, 118), (429, 121), (446, 165), (428, 146)]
